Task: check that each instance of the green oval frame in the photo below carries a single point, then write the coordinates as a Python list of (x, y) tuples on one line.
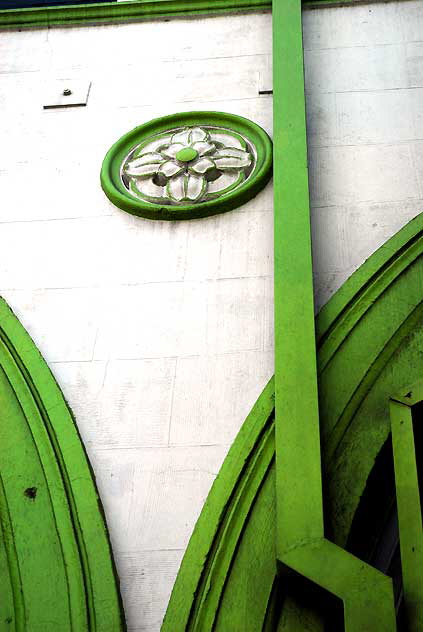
[(117, 193)]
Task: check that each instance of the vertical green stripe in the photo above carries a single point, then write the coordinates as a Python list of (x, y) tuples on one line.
[(300, 545), (299, 495), (409, 512)]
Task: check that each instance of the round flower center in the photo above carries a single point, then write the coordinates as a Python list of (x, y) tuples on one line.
[(186, 154)]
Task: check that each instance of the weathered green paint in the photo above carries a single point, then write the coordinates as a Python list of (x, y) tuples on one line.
[(409, 503), (297, 413), (142, 10), (114, 12), (350, 326), (55, 560), (115, 190)]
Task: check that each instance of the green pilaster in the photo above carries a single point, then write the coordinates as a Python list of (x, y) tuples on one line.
[(299, 495), (409, 503), (300, 543)]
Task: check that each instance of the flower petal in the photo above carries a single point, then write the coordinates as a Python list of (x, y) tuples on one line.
[(186, 187), (225, 181), (198, 134), (153, 145), (233, 152), (189, 135), (142, 171), (175, 188), (227, 159), (146, 159), (194, 187), (182, 137), (147, 188), (202, 165), (229, 163), (203, 147), (225, 139), (172, 150), (170, 168)]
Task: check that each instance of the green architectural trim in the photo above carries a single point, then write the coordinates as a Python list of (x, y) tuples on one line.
[(55, 557), (373, 278), (295, 343), (143, 10), (409, 500), (117, 12), (346, 467), (235, 195), (301, 545)]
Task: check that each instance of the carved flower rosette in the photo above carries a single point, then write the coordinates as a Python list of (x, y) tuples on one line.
[(188, 166)]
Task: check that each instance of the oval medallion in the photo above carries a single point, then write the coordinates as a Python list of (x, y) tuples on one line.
[(187, 166)]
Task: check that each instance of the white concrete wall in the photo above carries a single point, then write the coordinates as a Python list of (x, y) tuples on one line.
[(160, 334), (364, 82)]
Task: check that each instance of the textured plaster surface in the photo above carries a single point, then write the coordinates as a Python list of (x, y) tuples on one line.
[(364, 83), (160, 334)]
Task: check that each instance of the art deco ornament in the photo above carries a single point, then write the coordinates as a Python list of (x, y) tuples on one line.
[(187, 165)]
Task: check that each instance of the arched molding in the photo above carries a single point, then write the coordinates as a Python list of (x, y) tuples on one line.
[(55, 557), (371, 334), (133, 181)]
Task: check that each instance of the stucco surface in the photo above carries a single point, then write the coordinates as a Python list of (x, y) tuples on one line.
[(160, 334)]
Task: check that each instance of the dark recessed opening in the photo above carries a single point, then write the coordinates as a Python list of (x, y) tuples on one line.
[(374, 535)]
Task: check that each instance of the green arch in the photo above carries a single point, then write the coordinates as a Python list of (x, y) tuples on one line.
[(371, 334), (56, 566)]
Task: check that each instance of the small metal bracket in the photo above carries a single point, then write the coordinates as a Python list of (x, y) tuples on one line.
[(265, 82), (64, 93)]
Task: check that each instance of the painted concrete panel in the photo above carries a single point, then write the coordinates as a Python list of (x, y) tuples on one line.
[(161, 334), (364, 78)]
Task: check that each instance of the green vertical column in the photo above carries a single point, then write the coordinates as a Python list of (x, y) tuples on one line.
[(409, 509), (300, 543), (299, 495)]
